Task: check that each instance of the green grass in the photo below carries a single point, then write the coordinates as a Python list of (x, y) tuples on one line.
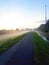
[(41, 50), (8, 43)]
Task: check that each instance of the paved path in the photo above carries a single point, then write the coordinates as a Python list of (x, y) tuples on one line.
[(20, 54)]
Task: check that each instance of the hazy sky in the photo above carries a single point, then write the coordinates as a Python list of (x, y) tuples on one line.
[(22, 13)]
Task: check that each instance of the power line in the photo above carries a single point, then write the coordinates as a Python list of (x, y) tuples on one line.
[(45, 13)]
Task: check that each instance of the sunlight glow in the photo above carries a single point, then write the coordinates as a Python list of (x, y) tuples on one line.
[(21, 14), (16, 19)]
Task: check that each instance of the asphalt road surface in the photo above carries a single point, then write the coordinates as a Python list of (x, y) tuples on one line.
[(21, 53)]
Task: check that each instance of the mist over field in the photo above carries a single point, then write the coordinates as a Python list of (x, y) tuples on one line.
[(11, 34)]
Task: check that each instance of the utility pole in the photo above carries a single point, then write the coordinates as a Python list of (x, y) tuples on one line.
[(45, 13)]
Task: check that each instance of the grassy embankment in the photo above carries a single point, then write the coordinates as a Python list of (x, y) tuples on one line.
[(41, 50), (8, 43)]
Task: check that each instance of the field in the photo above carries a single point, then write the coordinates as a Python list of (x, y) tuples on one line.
[(4, 37), (41, 50), (14, 38)]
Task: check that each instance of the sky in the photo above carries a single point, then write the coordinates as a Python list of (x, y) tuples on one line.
[(22, 13)]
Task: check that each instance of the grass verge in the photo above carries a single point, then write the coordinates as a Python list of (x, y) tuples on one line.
[(8, 43), (41, 50)]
